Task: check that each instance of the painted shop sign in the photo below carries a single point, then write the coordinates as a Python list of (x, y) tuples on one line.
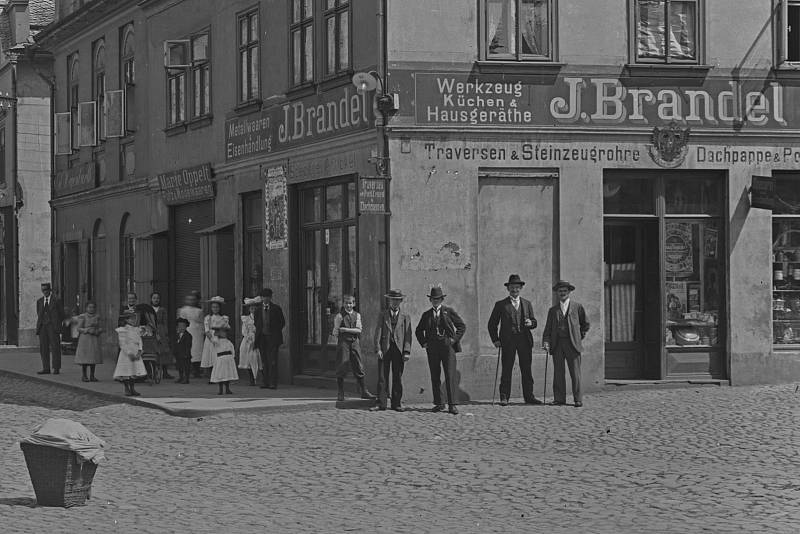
[(74, 180), (186, 185), (372, 195), (307, 120), (464, 99)]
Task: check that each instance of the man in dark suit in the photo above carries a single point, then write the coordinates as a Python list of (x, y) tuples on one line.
[(269, 321), (182, 350), (563, 334), (393, 346), (50, 318), (439, 331), (514, 316)]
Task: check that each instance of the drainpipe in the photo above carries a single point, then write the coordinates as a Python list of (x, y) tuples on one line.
[(383, 141), (13, 333)]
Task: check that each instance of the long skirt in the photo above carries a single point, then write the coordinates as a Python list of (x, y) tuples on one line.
[(88, 350), (224, 369)]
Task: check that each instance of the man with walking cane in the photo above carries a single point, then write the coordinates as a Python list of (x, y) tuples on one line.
[(563, 334), (514, 316)]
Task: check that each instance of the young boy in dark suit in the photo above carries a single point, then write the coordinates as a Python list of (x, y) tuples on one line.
[(182, 350)]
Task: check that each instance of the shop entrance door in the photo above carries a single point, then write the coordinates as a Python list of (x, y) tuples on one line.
[(329, 268), (632, 299)]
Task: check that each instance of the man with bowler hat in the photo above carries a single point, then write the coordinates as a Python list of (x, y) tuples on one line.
[(514, 316), (393, 346), (563, 334), (269, 321), (50, 318), (439, 331)]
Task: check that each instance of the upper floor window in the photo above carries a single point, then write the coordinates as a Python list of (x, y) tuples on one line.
[(337, 36), (2, 155), (201, 76), (176, 96), (99, 84), (128, 73), (188, 58), (788, 32), (301, 30), (667, 31), (519, 30), (248, 56), (73, 95)]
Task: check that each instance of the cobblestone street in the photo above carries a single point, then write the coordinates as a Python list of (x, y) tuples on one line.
[(694, 459)]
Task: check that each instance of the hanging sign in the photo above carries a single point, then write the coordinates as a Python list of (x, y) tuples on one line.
[(275, 200), (762, 192), (372, 195)]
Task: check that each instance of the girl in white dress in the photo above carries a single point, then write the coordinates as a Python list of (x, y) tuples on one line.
[(129, 362), (212, 320), (224, 371), (249, 355), (192, 312)]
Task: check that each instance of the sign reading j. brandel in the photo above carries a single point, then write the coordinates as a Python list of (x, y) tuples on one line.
[(186, 185), (466, 99), (307, 120)]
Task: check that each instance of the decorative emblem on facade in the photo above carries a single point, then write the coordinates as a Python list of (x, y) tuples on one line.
[(669, 146)]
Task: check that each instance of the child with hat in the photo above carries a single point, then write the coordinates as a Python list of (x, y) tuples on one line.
[(210, 322), (129, 362)]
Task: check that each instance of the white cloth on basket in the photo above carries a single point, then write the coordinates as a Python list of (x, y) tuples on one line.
[(71, 436)]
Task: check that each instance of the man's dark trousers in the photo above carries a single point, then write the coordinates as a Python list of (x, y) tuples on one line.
[(49, 342), (517, 344), (442, 356), (563, 353), (392, 361), (268, 347)]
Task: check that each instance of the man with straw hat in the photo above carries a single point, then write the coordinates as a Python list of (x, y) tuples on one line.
[(439, 331), (514, 316), (393, 346), (563, 334)]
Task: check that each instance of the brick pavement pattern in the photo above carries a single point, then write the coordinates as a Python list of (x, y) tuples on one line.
[(699, 459)]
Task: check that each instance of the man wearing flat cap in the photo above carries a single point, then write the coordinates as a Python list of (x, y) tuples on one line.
[(50, 318), (439, 331), (563, 335), (393, 346), (514, 316)]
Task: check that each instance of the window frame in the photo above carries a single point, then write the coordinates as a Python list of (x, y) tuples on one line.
[(700, 33), (245, 49), (127, 72), (340, 8), (782, 176), (3, 173), (519, 57), (184, 111), (73, 97), (304, 24), (201, 67), (249, 200), (179, 111), (99, 86), (781, 33)]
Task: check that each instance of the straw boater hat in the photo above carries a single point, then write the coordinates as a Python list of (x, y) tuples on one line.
[(436, 293), (255, 301), (514, 279), (563, 283), (395, 294), (217, 299)]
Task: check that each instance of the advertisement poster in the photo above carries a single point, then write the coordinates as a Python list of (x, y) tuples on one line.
[(275, 211), (676, 300), (679, 249), (711, 240)]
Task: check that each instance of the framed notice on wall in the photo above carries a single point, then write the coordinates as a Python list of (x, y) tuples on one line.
[(275, 211)]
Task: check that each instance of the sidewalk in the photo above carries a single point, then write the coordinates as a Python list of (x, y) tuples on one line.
[(195, 399)]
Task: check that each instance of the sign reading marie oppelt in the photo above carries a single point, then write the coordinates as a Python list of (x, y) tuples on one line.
[(187, 185)]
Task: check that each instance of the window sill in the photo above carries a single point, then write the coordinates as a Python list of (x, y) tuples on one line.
[(175, 129), (248, 107), (339, 79), (298, 91), (789, 71), (519, 67), (667, 70), (200, 122)]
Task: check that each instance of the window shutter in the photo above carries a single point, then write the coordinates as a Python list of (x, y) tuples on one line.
[(87, 112), (114, 112), (63, 134), (176, 54)]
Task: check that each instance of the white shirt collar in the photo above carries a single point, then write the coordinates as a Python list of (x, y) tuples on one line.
[(514, 301), (436, 309), (564, 306)]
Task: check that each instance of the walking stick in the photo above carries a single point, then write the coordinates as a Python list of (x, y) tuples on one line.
[(546, 359), (496, 370)]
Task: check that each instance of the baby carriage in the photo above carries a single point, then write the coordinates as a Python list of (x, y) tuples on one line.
[(150, 355)]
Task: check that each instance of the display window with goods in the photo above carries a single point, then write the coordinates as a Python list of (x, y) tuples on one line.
[(786, 262)]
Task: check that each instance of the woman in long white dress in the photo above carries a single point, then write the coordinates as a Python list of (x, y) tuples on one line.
[(192, 312), (249, 355), (213, 320)]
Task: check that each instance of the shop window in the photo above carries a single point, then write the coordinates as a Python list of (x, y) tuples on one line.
[(786, 261), (248, 57), (337, 36), (518, 30), (99, 86), (690, 195), (253, 218), (301, 31), (667, 31), (787, 32), (128, 74), (628, 196)]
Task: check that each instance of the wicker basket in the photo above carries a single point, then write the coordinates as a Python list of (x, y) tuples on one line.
[(57, 476)]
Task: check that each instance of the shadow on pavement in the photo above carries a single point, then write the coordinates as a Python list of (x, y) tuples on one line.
[(18, 501)]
